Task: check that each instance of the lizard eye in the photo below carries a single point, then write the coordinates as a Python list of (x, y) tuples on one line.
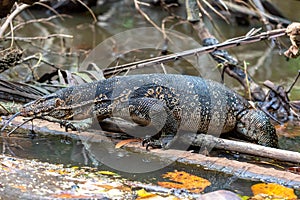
[(58, 102)]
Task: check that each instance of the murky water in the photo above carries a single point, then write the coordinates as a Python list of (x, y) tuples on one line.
[(55, 150), (262, 65)]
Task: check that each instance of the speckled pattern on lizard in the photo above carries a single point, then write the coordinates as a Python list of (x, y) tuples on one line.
[(164, 101)]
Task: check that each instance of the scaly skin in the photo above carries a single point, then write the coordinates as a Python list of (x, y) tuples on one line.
[(167, 103)]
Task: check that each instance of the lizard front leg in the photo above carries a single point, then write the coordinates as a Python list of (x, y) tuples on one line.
[(157, 120), (73, 125)]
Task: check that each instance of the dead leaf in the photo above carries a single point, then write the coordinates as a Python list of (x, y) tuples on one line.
[(124, 142), (20, 187), (184, 180), (107, 187), (70, 196), (294, 170), (107, 173), (273, 190), (288, 130)]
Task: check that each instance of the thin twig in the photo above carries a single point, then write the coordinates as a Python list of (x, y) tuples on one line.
[(12, 34), (244, 9), (10, 18), (14, 129), (3, 107), (247, 80), (215, 11), (260, 11), (90, 11), (41, 20), (38, 37), (296, 79), (204, 11), (39, 59), (50, 8), (224, 45), (137, 6)]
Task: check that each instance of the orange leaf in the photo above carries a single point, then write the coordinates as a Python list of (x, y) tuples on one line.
[(185, 180), (124, 142), (21, 187), (274, 190), (69, 196), (108, 187)]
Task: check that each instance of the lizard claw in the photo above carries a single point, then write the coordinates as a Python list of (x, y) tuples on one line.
[(150, 142), (68, 125), (162, 142), (154, 143)]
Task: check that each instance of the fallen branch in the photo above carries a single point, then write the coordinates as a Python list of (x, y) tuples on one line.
[(244, 147), (200, 140), (234, 42), (239, 169)]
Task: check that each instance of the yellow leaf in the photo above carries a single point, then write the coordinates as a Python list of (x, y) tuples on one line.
[(107, 173), (273, 190), (75, 167), (185, 180), (144, 194)]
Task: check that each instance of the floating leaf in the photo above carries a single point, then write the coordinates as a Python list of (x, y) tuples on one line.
[(185, 180), (273, 190), (124, 142)]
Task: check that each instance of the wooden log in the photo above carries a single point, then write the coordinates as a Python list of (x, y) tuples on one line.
[(241, 170)]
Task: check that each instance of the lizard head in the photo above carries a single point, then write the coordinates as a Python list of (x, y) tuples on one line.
[(42, 106), (256, 126)]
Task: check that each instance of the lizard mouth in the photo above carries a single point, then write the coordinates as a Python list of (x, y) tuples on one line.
[(40, 106)]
